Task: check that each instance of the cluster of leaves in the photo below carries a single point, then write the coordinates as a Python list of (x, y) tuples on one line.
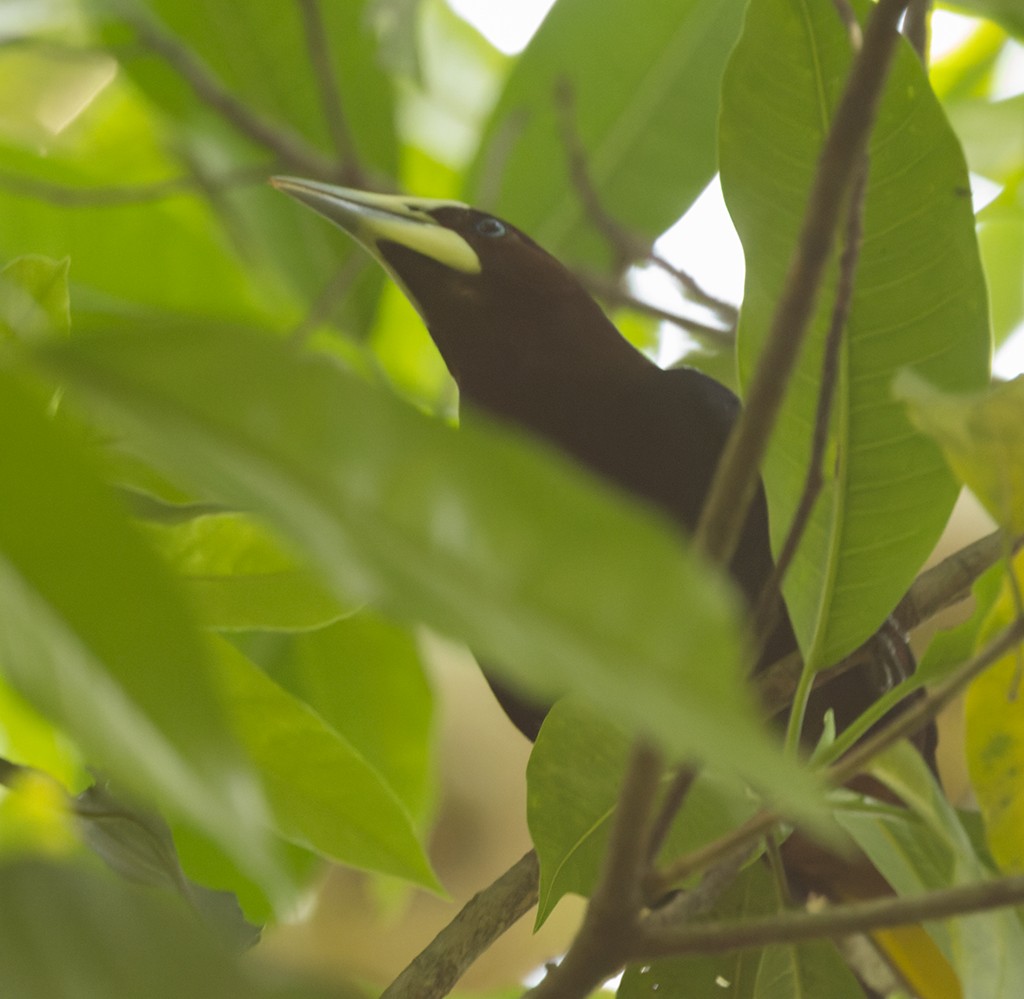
[(221, 521)]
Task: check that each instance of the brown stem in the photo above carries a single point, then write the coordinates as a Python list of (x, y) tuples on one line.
[(434, 972), (860, 917), (291, 148)]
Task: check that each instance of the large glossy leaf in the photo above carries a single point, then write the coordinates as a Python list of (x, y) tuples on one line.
[(472, 531), (364, 676), (95, 635), (645, 110), (919, 302)]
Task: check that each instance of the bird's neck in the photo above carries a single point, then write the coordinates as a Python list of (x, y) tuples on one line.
[(566, 393)]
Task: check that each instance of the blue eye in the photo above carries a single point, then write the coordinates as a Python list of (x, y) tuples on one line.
[(491, 228)]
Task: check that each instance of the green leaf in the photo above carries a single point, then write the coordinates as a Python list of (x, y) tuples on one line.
[(1008, 13), (465, 530), (1001, 241), (95, 635), (982, 436), (919, 301), (927, 848), (71, 932), (34, 297), (324, 793), (137, 256), (240, 578), (992, 136), (364, 676), (781, 972), (645, 110), (573, 782)]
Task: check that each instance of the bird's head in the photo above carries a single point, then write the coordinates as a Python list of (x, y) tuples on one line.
[(487, 292)]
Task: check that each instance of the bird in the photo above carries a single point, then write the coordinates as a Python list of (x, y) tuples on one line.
[(528, 346)]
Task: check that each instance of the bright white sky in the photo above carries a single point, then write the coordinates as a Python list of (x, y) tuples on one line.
[(704, 242)]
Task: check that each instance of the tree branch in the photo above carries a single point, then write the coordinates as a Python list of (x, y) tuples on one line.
[(860, 917), (434, 972), (350, 172)]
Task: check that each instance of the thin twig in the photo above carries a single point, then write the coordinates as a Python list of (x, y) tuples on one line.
[(434, 972), (330, 93), (860, 917), (290, 147), (673, 801), (330, 295), (614, 294), (626, 246), (732, 490), (127, 194), (916, 27)]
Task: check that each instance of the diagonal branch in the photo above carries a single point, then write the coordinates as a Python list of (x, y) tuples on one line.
[(434, 972), (290, 147)]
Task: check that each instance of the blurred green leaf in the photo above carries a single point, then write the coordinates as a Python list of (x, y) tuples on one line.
[(325, 795), (1001, 241), (71, 932), (241, 578), (919, 301), (645, 110), (465, 530), (927, 848), (992, 134), (364, 677), (95, 635), (1008, 13), (982, 436), (34, 298)]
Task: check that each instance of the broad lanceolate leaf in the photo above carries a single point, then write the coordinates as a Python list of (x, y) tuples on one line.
[(645, 110), (94, 635), (472, 531), (919, 301), (927, 848), (364, 676), (324, 793), (982, 436), (573, 783), (995, 738)]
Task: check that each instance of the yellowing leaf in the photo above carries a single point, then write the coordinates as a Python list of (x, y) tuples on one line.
[(995, 739), (982, 437)]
